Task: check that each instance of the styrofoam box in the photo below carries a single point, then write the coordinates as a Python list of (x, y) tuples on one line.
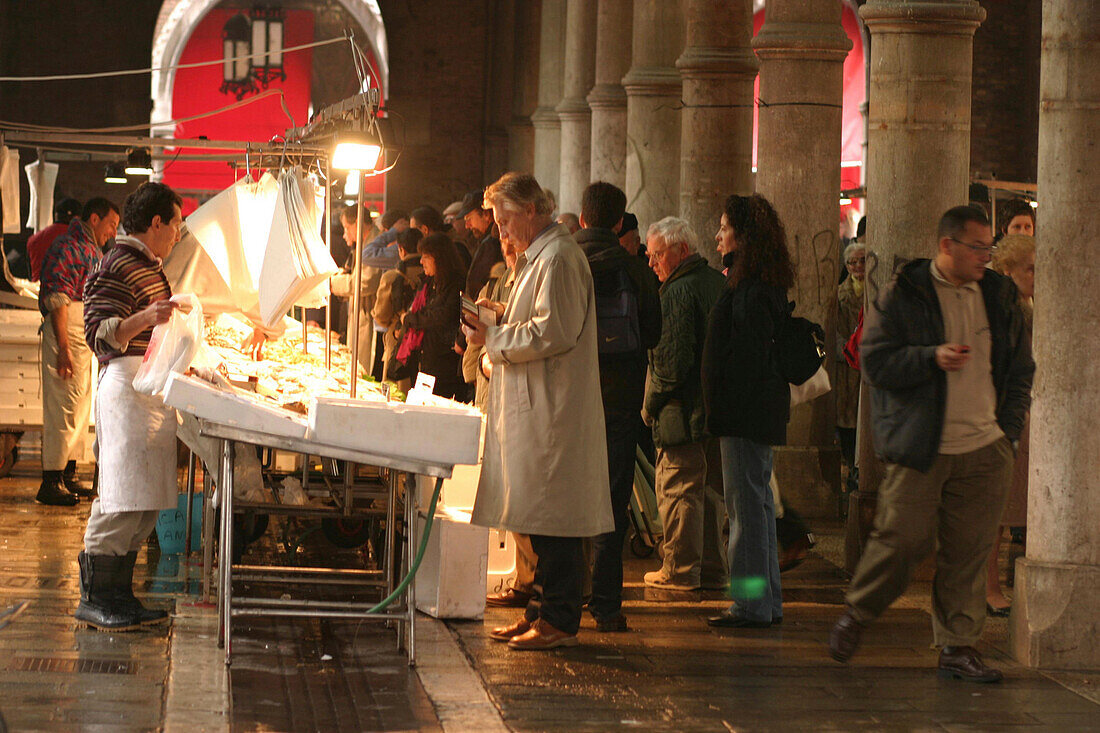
[(446, 435), (448, 583), (204, 400), (19, 325), (502, 560)]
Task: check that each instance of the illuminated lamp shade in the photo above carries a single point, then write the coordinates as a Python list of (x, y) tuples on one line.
[(356, 151), (351, 186), (139, 163), (115, 173)]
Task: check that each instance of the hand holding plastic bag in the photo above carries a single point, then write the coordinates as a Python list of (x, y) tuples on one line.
[(172, 347)]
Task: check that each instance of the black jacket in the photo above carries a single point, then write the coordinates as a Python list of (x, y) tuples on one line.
[(622, 376), (743, 392), (438, 319), (898, 358), (485, 256)]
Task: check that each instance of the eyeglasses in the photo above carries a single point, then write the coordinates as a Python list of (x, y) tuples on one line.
[(857, 261), (986, 250)]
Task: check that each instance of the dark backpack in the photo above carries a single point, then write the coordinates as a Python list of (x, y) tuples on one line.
[(618, 329), (799, 348)]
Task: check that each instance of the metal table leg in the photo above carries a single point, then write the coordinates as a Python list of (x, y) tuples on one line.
[(207, 533), (190, 501), (225, 552), (411, 500)]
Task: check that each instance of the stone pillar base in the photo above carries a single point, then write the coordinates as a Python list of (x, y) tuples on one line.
[(809, 479), (1054, 621)]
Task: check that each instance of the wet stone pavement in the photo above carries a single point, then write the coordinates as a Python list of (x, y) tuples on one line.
[(671, 672)]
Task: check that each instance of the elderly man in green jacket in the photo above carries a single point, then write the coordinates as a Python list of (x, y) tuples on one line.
[(673, 408)]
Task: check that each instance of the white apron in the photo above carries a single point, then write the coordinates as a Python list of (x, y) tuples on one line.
[(136, 435), (66, 403)]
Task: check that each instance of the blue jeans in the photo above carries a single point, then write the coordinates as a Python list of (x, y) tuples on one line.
[(753, 549)]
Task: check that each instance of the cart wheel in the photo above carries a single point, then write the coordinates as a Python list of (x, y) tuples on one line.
[(639, 547), (346, 533)]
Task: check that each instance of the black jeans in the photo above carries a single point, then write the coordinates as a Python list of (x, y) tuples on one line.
[(557, 598), (607, 563)]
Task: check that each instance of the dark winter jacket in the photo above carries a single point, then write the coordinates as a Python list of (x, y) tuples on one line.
[(673, 396), (485, 257), (898, 358), (622, 376), (744, 394), (439, 320)]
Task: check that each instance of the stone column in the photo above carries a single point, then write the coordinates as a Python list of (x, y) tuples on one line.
[(551, 74), (718, 68), (521, 133), (1054, 611), (573, 111), (498, 101), (802, 46), (653, 112), (918, 161), (608, 98)]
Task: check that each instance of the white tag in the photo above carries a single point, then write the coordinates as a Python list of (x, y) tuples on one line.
[(425, 382)]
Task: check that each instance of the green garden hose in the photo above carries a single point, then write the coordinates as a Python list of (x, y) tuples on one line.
[(419, 553)]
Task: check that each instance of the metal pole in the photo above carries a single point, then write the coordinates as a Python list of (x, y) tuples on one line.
[(328, 243), (357, 284), (207, 532), (190, 500)]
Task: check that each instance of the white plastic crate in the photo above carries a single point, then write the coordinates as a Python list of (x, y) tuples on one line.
[(448, 583), (447, 435), (204, 400)]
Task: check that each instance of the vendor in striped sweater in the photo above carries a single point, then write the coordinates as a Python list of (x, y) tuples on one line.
[(123, 300)]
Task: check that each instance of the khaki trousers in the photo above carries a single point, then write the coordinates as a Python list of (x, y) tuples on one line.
[(66, 403), (117, 533), (692, 515), (955, 509), (526, 561)]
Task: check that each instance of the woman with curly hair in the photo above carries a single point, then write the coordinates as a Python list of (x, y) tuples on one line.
[(748, 401)]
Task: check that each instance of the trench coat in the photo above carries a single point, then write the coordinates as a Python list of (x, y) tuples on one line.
[(544, 467)]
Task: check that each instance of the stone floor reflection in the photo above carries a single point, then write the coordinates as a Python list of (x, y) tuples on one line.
[(670, 673)]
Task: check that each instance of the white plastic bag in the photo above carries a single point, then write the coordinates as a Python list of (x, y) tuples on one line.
[(173, 346), (812, 388)]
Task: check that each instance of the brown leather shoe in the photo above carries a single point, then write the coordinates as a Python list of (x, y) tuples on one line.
[(965, 663), (505, 633), (844, 638), (508, 598), (542, 636)]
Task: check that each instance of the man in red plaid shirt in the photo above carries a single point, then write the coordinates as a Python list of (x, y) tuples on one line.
[(66, 359)]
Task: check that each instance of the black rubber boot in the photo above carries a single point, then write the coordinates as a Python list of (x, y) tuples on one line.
[(124, 590), (72, 483), (52, 493), (99, 606)]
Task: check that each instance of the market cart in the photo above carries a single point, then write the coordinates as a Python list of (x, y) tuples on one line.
[(364, 432)]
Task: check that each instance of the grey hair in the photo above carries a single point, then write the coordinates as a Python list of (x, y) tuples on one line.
[(852, 248), (673, 230), (516, 190)]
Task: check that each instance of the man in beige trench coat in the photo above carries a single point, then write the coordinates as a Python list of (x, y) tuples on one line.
[(544, 470)]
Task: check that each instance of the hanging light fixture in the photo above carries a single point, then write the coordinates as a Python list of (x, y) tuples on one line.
[(236, 66), (356, 150), (351, 185), (139, 162), (115, 173), (267, 44)]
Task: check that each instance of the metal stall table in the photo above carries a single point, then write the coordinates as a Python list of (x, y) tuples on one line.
[(230, 606)]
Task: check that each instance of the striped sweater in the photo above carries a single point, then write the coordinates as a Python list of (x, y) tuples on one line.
[(128, 280)]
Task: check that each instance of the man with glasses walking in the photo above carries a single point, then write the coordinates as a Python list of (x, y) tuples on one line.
[(950, 368)]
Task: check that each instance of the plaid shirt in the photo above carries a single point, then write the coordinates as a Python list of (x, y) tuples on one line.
[(68, 262)]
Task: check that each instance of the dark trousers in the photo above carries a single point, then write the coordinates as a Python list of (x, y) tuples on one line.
[(847, 444), (607, 565), (557, 598)]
